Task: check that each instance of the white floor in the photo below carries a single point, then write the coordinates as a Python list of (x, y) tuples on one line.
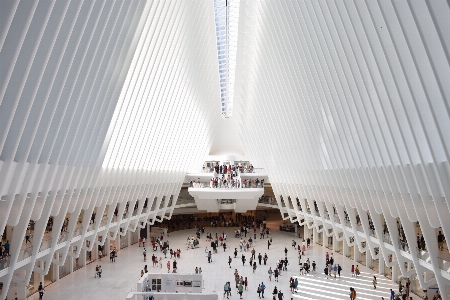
[(120, 277)]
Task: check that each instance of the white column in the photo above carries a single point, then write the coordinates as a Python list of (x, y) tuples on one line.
[(55, 272), (314, 235), (369, 261), (129, 238), (71, 260), (306, 232), (324, 238), (381, 265), (335, 244), (356, 254), (345, 248), (395, 272), (82, 258), (94, 251), (106, 246)]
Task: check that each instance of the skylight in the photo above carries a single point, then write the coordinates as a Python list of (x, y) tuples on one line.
[(226, 17)]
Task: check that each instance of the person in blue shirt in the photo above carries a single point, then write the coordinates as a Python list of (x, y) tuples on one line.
[(263, 287)]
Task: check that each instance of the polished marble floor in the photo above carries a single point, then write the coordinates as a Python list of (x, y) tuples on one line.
[(120, 277)]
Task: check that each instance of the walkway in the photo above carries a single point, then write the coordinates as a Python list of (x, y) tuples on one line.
[(120, 277)]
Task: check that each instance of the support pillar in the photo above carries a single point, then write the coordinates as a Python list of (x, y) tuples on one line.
[(324, 238), (94, 251), (314, 233), (345, 248), (395, 272), (71, 260), (369, 260), (106, 246), (356, 254), (381, 265), (306, 232), (82, 258), (55, 272), (335, 244), (129, 238)]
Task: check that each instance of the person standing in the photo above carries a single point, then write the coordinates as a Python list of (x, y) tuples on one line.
[(335, 270), (209, 257), (353, 270), (374, 281), (100, 271), (268, 244), (263, 287), (259, 258), (254, 267), (145, 255), (246, 284), (265, 258), (270, 273), (235, 252), (339, 269), (168, 266), (280, 295)]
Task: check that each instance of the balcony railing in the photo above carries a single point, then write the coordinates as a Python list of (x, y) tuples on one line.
[(236, 185)]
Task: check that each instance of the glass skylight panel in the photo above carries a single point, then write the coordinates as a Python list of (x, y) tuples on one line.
[(226, 14)]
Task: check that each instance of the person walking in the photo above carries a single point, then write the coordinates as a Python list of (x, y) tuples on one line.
[(353, 270), (268, 244), (374, 281), (229, 261), (263, 288), (100, 271), (225, 289), (41, 291), (352, 293), (276, 274), (259, 258), (280, 295), (145, 255), (246, 284), (209, 257), (259, 291), (254, 267), (335, 270), (326, 272), (270, 273), (339, 269), (168, 266), (240, 290), (265, 258)]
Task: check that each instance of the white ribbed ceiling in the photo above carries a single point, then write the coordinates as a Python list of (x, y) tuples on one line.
[(345, 103)]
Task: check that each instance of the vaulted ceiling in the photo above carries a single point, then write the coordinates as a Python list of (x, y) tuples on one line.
[(346, 103)]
